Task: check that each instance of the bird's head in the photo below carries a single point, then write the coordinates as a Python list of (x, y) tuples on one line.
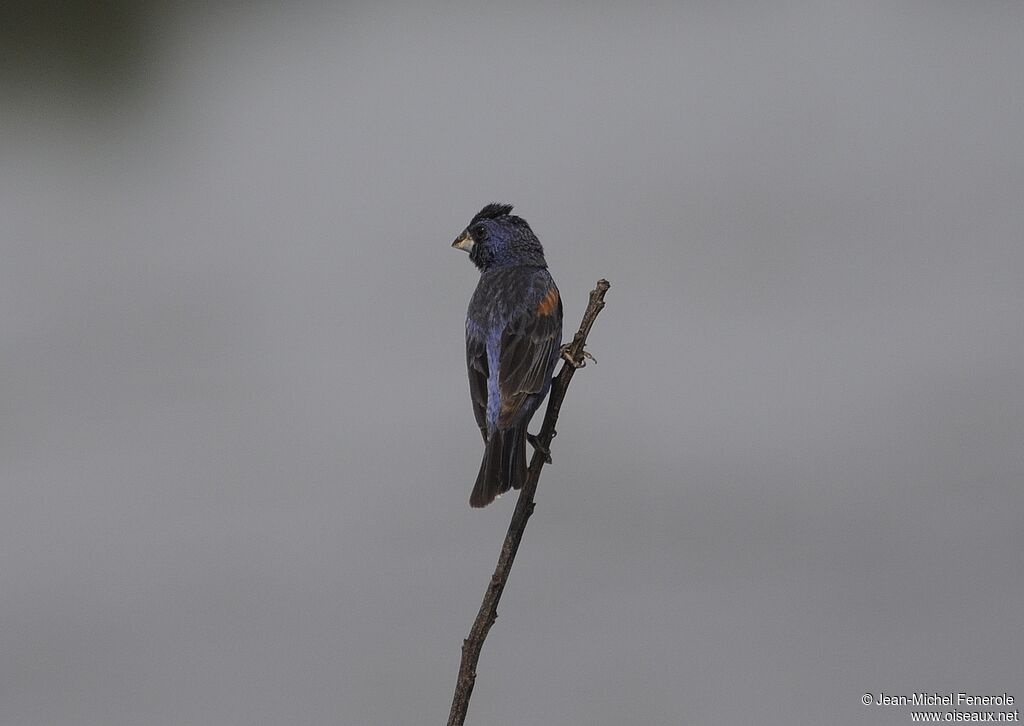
[(497, 238)]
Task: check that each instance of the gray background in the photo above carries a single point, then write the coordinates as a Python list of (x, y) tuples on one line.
[(237, 444)]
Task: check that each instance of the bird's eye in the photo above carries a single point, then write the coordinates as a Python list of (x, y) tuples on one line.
[(479, 231)]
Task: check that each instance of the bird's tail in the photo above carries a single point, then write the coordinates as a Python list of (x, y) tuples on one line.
[(503, 467)]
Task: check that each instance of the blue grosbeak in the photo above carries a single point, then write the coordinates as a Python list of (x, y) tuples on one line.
[(513, 340)]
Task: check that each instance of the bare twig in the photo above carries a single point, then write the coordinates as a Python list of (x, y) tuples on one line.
[(575, 357)]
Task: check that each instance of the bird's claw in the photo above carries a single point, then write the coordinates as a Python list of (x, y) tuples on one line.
[(544, 451), (567, 356)]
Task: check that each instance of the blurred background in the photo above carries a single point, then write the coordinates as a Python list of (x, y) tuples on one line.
[(236, 443)]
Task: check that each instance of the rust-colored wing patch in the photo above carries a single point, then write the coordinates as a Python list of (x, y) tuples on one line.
[(549, 303)]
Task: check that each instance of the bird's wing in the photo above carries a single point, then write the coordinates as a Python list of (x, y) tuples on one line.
[(527, 350), (476, 364)]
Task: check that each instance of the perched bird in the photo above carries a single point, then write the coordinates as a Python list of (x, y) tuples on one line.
[(513, 340)]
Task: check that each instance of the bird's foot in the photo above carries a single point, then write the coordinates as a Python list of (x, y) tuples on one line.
[(566, 355), (543, 450)]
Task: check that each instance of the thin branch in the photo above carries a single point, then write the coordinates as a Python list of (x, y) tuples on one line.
[(575, 357)]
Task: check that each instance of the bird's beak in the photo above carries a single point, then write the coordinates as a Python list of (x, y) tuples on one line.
[(463, 242)]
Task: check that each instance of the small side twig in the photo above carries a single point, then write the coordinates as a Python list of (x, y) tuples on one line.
[(575, 357)]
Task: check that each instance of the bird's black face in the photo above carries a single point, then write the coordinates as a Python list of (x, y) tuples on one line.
[(494, 238), (472, 237), (483, 240)]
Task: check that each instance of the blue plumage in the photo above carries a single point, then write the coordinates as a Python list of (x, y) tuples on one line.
[(513, 340)]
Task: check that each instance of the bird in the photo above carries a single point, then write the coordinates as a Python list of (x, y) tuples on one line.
[(513, 340)]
